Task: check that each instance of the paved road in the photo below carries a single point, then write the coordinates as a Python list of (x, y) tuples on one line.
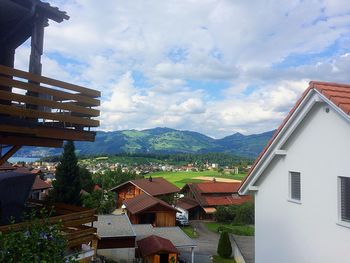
[(207, 243)]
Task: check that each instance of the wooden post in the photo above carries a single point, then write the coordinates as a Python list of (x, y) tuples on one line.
[(37, 43), (7, 58)]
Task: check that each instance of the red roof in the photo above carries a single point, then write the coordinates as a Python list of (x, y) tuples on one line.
[(40, 184), (218, 187), (144, 201), (155, 186), (216, 193), (338, 94), (226, 200), (155, 244)]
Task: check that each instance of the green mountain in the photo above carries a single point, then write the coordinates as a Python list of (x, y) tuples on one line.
[(161, 140)]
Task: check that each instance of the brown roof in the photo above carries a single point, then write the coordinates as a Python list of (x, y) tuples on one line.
[(216, 193), (40, 184), (155, 244), (155, 186), (143, 201), (186, 203), (338, 94)]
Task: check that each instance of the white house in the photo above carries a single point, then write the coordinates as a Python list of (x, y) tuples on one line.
[(301, 182)]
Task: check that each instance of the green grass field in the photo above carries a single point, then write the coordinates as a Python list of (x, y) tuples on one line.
[(243, 230), (181, 178)]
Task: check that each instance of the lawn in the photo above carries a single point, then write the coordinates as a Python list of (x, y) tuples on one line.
[(189, 231), (234, 229), (218, 259), (182, 178)]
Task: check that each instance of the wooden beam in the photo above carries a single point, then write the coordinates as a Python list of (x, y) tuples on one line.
[(58, 94), (85, 112), (49, 132), (10, 152), (30, 141), (31, 113), (53, 82)]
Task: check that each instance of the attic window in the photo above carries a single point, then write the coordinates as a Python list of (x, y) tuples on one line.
[(345, 199), (294, 186)]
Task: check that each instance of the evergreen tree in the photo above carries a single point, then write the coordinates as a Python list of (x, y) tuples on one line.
[(67, 186), (224, 246), (86, 179)]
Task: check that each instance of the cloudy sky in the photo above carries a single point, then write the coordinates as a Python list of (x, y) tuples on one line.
[(215, 67)]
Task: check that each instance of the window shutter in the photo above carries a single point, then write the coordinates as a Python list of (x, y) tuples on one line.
[(345, 198), (295, 186)]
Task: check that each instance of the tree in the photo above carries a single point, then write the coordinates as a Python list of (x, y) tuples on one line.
[(67, 186), (244, 214), (86, 180), (104, 202), (224, 246)]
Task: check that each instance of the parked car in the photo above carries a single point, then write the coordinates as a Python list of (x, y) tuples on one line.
[(182, 221)]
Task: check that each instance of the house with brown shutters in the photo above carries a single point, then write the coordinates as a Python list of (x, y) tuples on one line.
[(301, 182), (156, 187), (201, 199)]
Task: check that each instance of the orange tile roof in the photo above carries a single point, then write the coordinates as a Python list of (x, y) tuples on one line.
[(338, 94)]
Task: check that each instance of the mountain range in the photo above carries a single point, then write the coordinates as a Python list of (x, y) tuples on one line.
[(161, 140)]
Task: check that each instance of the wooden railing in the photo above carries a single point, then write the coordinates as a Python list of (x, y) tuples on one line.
[(75, 222), (47, 101)]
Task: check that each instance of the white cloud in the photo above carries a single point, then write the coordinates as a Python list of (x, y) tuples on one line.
[(171, 43)]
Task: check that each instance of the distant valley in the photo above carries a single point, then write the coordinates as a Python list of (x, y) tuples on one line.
[(161, 140)]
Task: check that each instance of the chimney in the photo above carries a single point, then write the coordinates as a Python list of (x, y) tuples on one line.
[(150, 179), (214, 179)]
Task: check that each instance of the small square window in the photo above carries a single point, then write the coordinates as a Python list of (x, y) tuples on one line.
[(294, 186), (345, 199)]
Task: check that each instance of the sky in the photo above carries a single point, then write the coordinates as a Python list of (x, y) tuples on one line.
[(215, 67)]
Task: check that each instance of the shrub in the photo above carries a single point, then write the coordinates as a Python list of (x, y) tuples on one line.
[(224, 247), (225, 213), (244, 214), (39, 242), (237, 230)]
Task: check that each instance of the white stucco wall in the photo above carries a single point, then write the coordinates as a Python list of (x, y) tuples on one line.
[(287, 232)]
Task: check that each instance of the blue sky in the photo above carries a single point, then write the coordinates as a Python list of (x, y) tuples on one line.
[(215, 67)]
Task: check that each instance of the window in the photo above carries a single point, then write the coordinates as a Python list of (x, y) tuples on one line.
[(345, 199), (294, 186)]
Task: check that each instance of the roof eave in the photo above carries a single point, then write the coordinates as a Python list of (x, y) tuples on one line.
[(288, 129)]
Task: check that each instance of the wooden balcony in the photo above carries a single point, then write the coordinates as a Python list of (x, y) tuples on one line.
[(76, 223), (40, 111)]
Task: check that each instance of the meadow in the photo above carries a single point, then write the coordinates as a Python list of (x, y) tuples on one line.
[(181, 178)]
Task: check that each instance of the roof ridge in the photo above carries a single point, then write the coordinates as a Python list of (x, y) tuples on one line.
[(323, 83)]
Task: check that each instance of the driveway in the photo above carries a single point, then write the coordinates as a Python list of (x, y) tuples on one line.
[(207, 243)]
